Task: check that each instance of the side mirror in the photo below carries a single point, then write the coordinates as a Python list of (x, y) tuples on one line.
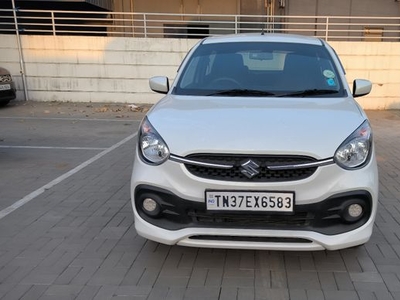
[(159, 84), (361, 87)]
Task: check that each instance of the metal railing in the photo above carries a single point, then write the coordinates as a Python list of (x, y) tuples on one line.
[(147, 25)]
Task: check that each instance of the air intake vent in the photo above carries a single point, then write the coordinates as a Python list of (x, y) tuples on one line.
[(249, 239)]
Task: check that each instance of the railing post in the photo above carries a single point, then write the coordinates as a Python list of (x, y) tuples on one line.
[(133, 22), (21, 57), (327, 29), (236, 24), (53, 23), (145, 25)]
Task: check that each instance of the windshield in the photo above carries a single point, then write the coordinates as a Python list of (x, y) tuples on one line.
[(261, 69)]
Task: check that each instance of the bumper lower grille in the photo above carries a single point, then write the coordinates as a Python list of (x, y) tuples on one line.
[(323, 217), (264, 162), (239, 220), (253, 239)]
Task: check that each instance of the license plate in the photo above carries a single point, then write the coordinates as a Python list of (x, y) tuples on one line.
[(4, 87), (250, 201)]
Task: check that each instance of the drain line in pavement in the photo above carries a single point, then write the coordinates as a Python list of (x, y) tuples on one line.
[(52, 183)]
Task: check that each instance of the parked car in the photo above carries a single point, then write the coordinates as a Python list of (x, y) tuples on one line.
[(7, 87), (258, 144)]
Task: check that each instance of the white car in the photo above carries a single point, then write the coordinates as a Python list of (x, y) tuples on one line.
[(257, 144)]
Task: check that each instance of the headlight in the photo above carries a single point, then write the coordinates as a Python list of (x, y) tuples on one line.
[(152, 147), (356, 149)]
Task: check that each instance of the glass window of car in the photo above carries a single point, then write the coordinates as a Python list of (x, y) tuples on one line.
[(278, 68)]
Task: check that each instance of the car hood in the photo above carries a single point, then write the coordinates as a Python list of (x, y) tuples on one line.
[(303, 126)]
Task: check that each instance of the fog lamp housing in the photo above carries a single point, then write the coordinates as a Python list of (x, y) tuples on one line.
[(353, 211), (151, 207)]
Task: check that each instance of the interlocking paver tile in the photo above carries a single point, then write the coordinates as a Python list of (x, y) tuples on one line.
[(208, 259), (303, 280), (198, 277), (108, 276), (335, 295), (84, 275), (214, 277), (370, 286), (278, 279), (106, 292), (383, 295), (366, 277), (297, 294), (200, 293), (343, 281), (158, 293), (396, 295), (133, 291), (35, 292), (266, 294), (67, 276), (88, 292), (133, 276), (17, 292), (228, 293), (392, 281), (364, 295), (245, 293), (307, 263), (236, 282), (149, 276), (262, 278), (71, 291), (315, 295), (292, 263), (176, 293), (327, 281)]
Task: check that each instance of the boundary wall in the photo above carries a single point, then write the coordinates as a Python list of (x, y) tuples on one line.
[(117, 69)]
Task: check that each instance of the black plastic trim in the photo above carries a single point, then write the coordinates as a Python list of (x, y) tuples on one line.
[(324, 217)]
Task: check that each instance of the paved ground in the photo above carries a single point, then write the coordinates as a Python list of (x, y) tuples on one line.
[(66, 227)]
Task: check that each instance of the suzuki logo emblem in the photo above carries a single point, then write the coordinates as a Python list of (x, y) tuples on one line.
[(249, 169)]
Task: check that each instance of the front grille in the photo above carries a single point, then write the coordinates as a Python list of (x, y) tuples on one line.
[(5, 78), (264, 161), (251, 220)]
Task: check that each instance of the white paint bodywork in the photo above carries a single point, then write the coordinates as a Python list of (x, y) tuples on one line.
[(247, 125)]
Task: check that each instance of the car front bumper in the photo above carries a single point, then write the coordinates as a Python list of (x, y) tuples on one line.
[(8, 94), (328, 186)]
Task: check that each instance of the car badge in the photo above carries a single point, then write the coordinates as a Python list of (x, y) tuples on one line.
[(250, 169)]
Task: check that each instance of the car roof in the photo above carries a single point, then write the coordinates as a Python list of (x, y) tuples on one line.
[(263, 37)]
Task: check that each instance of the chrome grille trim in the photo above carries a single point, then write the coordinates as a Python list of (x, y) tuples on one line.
[(198, 163), (319, 163)]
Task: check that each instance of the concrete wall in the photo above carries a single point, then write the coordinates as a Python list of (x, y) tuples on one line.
[(116, 69), (97, 69), (378, 62)]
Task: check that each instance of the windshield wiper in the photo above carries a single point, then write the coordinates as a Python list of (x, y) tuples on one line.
[(309, 93), (241, 92)]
